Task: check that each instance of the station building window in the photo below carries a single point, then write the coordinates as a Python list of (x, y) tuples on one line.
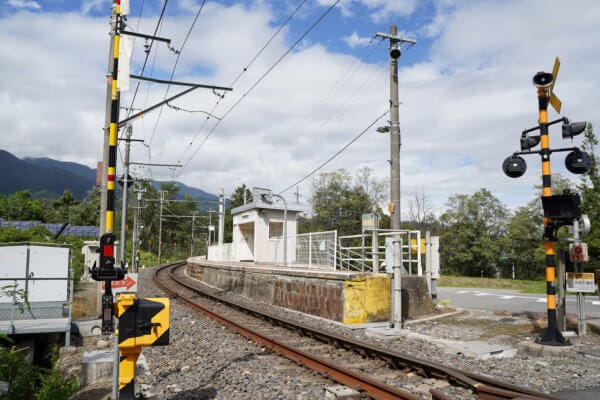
[(275, 229)]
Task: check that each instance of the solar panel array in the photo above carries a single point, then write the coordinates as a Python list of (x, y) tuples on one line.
[(71, 230)]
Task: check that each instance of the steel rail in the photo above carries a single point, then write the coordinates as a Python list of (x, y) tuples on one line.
[(486, 387), (372, 387)]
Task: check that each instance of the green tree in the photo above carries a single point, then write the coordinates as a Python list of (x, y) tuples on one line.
[(337, 204), (472, 230), (377, 190), (590, 198), (59, 210), (87, 212), (20, 206), (236, 200), (523, 241)]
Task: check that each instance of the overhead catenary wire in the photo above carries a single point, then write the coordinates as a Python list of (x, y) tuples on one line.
[(336, 154), (160, 18), (156, 29), (175, 67), (263, 76), (241, 73), (340, 83)]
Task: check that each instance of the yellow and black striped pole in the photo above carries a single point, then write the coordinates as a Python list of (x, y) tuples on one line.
[(552, 336), (114, 125)]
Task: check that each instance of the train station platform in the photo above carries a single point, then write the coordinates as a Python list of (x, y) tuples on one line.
[(343, 296)]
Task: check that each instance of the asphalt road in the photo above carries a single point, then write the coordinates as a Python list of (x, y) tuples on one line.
[(512, 300)]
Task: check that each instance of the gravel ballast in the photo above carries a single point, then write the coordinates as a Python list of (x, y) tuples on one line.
[(206, 360)]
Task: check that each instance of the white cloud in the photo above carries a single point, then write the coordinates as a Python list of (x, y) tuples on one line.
[(89, 5), (384, 9), (464, 104), (380, 10), (24, 4), (356, 41)]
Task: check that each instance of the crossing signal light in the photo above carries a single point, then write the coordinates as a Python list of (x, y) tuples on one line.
[(578, 252), (106, 270), (527, 142), (578, 162), (514, 166), (570, 129)]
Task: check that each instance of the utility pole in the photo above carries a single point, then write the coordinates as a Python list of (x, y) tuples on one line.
[(136, 229), (210, 212), (192, 244), (297, 193), (162, 201), (221, 217), (395, 142), (125, 189)]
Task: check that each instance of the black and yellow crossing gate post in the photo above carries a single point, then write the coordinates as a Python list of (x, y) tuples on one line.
[(559, 210), (142, 322)]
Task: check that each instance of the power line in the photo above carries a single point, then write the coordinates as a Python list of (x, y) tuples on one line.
[(260, 80), (175, 67), (289, 18), (242, 72), (336, 154), (335, 89), (148, 49)]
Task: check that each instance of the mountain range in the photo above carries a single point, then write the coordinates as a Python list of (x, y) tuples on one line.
[(45, 177)]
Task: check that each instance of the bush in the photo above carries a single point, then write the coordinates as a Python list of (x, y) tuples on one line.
[(26, 381), (55, 387), (20, 376)]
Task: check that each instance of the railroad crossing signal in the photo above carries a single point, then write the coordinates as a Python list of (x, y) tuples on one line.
[(554, 206), (578, 252)]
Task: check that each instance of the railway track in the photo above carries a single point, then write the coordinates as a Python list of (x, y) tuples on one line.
[(377, 372)]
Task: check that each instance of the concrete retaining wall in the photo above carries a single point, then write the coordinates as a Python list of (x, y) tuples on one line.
[(338, 296)]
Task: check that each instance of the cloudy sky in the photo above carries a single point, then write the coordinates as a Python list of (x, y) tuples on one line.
[(465, 88)]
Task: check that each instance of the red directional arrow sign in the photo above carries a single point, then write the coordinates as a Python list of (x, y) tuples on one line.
[(129, 283)]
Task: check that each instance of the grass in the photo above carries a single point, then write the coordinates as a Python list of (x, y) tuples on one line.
[(531, 287)]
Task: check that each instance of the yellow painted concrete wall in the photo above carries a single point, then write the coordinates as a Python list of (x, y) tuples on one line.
[(367, 299)]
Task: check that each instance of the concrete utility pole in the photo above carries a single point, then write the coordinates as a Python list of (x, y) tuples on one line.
[(162, 202), (209, 231), (136, 229), (395, 142), (125, 188), (221, 217), (192, 243)]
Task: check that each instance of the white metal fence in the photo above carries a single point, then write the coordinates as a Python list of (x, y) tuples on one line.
[(328, 251), (221, 253), (316, 250), (356, 252)]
